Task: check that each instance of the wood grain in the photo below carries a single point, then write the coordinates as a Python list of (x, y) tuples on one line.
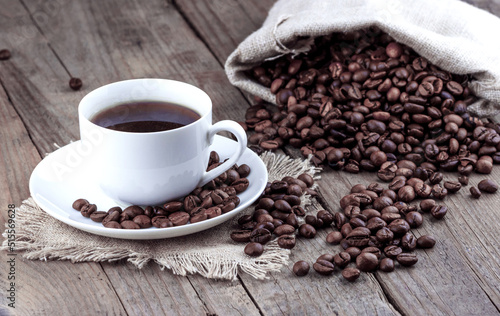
[(44, 287)]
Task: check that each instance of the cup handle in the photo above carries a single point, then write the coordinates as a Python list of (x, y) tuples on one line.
[(241, 136)]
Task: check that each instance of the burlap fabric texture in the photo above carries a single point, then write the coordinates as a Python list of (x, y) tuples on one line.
[(449, 33), (210, 253)]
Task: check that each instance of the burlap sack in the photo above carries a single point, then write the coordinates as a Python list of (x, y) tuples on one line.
[(449, 33)]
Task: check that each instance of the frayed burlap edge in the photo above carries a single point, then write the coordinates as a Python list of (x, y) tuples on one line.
[(218, 263)]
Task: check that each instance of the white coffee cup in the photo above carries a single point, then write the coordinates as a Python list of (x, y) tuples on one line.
[(151, 168)]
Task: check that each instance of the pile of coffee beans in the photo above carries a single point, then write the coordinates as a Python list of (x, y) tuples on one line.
[(278, 214), (374, 226), (361, 101), (217, 197)]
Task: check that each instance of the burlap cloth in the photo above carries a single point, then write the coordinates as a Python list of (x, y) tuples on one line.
[(210, 253), (449, 33)]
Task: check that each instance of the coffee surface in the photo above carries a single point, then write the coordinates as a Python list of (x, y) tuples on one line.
[(145, 117)]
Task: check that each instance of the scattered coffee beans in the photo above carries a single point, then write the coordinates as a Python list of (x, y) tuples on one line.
[(301, 268), (488, 186), (217, 197)]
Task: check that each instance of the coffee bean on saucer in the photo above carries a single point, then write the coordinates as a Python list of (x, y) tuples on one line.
[(301, 268), (161, 222), (88, 209), (143, 221), (113, 224), (179, 218), (244, 170), (128, 224), (75, 83), (254, 249), (78, 204), (98, 216)]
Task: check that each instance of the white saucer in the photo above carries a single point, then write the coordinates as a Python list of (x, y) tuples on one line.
[(66, 175)]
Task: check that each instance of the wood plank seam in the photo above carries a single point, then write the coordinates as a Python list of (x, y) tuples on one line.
[(250, 295)]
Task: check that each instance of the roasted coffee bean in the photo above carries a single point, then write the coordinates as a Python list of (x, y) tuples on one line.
[(131, 212), (4, 54), (241, 235), (386, 265), (301, 268), (326, 256), (408, 242), (351, 274), (488, 186), (307, 231), (384, 235), (260, 235), (392, 251), (464, 180), (334, 237), (284, 229), (128, 224), (98, 216), (427, 205), (342, 259), (172, 207), (414, 219), (439, 211), (358, 237), (79, 204), (407, 259), (475, 192), (254, 249), (307, 179), (426, 241), (179, 218), (75, 83), (324, 267), (88, 209), (112, 224), (143, 221), (452, 186), (286, 241), (366, 262), (399, 227), (244, 170), (161, 222)]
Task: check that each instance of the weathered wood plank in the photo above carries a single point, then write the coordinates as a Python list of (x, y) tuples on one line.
[(128, 39), (47, 288), (223, 24)]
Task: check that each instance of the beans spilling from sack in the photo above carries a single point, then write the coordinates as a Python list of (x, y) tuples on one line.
[(361, 101)]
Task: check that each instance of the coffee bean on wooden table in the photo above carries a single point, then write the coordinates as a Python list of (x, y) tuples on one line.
[(323, 267), (351, 274), (488, 186), (75, 83), (4, 54), (426, 241), (475, 192), (301, 268)]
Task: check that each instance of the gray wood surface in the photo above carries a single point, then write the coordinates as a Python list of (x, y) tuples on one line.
[(111, 40)]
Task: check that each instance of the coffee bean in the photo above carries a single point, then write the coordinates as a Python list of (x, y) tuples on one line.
[(452, 186), (342, 259), (408, 242), (351, 274), (392, 251), (301, 268), (439, 211), (254, 249), (386, 265), (426, 241), (88, 209), (75, 83), (98, 216), (284, 229), (5, 54), (179, 218), (407, 259), (260, 235), (241, 235), (475, 192), (286, 241), (414, 219), (366, 262), (427, 205), (128, 224), (79, 204), (244, 170), (334, 237), (488, 186), (323, 267), (161, 222), (112, 224), (307, 231)]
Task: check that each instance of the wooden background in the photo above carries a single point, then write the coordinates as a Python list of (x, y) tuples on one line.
[(105, 41)]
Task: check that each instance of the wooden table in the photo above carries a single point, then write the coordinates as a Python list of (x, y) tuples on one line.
[(111, 40)]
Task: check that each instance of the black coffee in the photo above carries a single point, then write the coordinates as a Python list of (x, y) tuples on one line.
[(145, 117)]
